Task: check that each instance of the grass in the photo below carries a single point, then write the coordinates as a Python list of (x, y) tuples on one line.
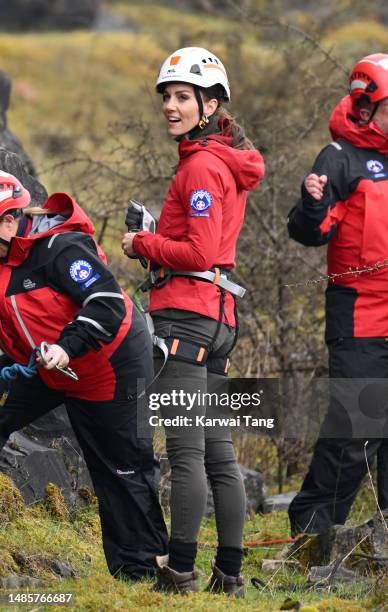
[(36, 537), (69, 86)]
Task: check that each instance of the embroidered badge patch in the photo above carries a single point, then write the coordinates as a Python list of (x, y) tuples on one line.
[(90, 281), (200, 201), (374, 166), (80, 270)]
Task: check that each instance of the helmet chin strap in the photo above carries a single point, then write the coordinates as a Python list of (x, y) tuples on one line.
[(198, 97), (196, 131), (5, 243), (374, 111), (16, 215)]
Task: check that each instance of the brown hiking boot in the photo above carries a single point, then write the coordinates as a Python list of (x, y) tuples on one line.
[(170, 581), (221, 583)]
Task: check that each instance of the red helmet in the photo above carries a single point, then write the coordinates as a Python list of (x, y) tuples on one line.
[(12, 193), (370, 77)]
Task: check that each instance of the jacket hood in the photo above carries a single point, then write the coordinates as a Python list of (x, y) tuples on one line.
[(246, 165), (343, 124), (69, 217)]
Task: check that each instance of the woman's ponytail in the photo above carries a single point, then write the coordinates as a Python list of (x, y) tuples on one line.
[(227, 124)]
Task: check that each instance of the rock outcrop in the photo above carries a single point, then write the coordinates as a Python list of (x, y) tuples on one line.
[(13, 158), (360, 548), (46, 452)]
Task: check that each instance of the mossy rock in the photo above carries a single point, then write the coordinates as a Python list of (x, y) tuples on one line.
[(7, 563), (44, 566), (54, 502), (11, 501), (339, 605), (306, 550), (87, 496), (89, 526)]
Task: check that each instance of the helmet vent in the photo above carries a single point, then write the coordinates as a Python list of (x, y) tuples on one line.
[(195, 69), (17, 192), (371, 87)]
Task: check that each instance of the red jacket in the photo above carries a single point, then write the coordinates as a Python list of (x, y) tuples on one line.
[(54, 286), (200, 222), (352, 218)]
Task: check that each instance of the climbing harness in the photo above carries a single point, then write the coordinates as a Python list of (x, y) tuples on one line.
[(183, 349), (217, 276)]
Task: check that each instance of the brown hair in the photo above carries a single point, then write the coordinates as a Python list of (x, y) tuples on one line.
[(226, 122), (18, 213), (37, 210)]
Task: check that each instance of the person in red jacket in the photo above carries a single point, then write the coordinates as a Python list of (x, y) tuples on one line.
[(344, 204), (55, 288), (192, 303)]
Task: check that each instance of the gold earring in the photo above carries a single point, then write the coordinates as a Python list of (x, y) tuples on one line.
[(203, 122)]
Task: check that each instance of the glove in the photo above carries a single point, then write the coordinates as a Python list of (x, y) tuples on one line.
[(134, 219), (139, 218)]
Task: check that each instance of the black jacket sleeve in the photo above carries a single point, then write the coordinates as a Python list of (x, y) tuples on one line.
[(76, 269), (310, 221)]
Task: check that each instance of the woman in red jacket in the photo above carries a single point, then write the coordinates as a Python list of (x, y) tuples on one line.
[(192, 304), (56, 288)]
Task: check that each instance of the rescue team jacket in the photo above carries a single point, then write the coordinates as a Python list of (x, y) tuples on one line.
[(200, 222), (55, 287), (352, 217)]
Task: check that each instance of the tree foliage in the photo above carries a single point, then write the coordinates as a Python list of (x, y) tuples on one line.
[(288, 64)]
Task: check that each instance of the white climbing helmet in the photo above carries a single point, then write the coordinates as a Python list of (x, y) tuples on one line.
[(196, 66)]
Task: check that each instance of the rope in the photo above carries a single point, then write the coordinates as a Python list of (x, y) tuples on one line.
[(257, 544), (13, 371)]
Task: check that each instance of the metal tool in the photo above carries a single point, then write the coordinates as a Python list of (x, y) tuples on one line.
[(44, 347)]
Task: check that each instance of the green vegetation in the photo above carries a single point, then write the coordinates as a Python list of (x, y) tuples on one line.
[(32, 541), (84, 106), (11, 501)]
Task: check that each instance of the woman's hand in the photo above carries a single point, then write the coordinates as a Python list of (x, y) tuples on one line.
[(315, 185), (127, 244), (54, 356)]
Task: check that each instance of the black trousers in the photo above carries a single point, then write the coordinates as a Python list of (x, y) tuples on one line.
[(120, 464), (338, 465)]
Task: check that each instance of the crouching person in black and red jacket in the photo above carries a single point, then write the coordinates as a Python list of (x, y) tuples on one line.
[(56, 288), (344, 204)]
